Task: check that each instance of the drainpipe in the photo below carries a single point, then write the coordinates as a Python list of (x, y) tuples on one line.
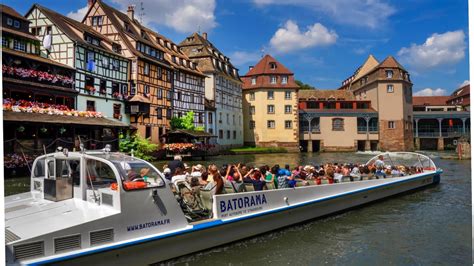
[(440, 132)]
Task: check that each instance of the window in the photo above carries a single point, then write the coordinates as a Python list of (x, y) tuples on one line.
[(147, 132), (19, 45), (270, 109), (287, 95), (146, 90), (90, 106), (273, 65), (16, 24), (117, 108), (234, 134), (228, 134), (287, 109), (389, 74), (168, 113), (146, 70), (252, 96), (91, 61), (4, 42), (390, 88), (273, 79), (252, 124), (159, 72), (228, 121), (254, 80), (9, 22), (128, 167), (103, 87), (159, 112), (271, 124), (338, 124), (116, 48), (36, 31), (221, 133), (288, 124), (97, 21), (252, 110), (209, 118), (284, 80), (391, 124), (270, 95)]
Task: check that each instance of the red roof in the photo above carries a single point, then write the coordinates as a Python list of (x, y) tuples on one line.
[(430, 100), (264, 70)]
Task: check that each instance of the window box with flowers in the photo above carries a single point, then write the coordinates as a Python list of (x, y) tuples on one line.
[(36, 76)]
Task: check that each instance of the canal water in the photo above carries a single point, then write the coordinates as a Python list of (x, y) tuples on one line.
[(427, 227)]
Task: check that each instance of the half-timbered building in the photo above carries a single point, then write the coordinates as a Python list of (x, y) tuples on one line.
[(39, 100), (151, 75), (101, 72), (223, 90), (188, 80)]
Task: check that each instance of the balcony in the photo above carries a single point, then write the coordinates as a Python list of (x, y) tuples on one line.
[(36, 76), (363, 129), (314, 129), (446, 132)]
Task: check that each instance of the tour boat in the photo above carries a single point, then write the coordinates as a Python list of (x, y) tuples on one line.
[(82, 209)]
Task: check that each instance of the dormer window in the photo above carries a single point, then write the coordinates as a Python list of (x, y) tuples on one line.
[(284, 79), (254, 80), (127, 27), (273, 65), (143, 34), (389, 74), (116, 48), (9, 22), (92, 40), (16, 24), (273, 79)]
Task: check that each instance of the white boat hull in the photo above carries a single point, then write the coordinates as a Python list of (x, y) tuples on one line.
[(217, 232)]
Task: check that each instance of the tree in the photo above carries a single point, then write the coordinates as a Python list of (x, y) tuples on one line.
[(304, 86), (185, 122), (142, 147)]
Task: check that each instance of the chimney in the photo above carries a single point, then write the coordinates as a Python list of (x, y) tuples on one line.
[(204, 35), (131, 11), (250, 68), (90, 3)]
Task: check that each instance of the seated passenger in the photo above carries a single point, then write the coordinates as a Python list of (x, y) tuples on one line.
[(256, 179), (237, 182), (179, 175), (167, 173), (144, 173), (284, 176), (355, 173)]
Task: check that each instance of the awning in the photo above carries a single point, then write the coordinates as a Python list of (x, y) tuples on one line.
[(139, 98), (59, 119)]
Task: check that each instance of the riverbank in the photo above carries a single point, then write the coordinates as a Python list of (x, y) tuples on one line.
[(254, 150)]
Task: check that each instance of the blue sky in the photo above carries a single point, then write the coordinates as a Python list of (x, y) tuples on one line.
[(322, 41)]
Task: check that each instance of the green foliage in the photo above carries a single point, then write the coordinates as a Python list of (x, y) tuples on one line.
[(185, 122), (199, 129), (142, 147), (304, 86)]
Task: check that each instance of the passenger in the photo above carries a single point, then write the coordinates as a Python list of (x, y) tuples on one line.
[(203, 180), (167, 173), (256, 178), (269, 176), (177, 162), (336, 174), (283, 177), (329, 176), (355, 174), (196, 171), (244, 170), (228, 176), (179, 175), (237, 182), (274, 172), (219, 185), (144, 173), (212, 170)]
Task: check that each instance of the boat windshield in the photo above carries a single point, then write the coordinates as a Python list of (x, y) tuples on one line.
[(134, 173), (407, 159)]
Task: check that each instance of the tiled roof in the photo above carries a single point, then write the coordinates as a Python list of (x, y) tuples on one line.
[(12, 12), (390, 62), (264, 70), (463, 91), (70, 27), (264, 67), (207, 56), (326, 94), (430, 100), (18, 33)]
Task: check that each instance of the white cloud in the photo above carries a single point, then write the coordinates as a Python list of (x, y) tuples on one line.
[(242, 58), (181, 15), (290, 38), (78, 14), (431, 92), (438, 50), (464, 83), (364, 13)]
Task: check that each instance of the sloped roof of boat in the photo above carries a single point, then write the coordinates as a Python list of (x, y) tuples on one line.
[(192, 133), (59, 119)]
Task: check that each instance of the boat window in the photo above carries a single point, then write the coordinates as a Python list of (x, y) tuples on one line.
[(99, 174), (138, 175), (51, 169), (39, 168)]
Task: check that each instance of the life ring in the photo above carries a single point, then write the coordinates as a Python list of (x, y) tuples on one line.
[(132, 185)]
